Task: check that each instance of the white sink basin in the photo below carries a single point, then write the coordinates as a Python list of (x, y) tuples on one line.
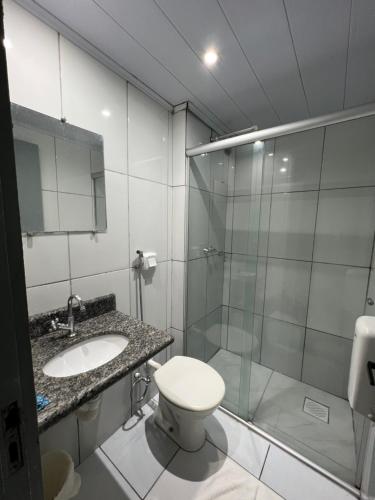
[(86, 355)]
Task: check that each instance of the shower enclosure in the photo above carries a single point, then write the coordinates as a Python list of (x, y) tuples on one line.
[(280, 251)]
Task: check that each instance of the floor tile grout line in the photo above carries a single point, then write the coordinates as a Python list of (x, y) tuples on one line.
[(264, 463), (118, 470), (165, 468), (233, 459)]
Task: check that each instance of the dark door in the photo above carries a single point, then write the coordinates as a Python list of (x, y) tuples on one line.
[(20, 476)]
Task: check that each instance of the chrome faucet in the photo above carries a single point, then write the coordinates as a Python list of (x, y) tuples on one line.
[(56, 325)]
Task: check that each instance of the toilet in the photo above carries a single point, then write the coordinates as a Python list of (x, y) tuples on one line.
[(189, 391)]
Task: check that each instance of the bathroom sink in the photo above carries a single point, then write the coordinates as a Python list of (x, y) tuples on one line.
[(86, 355)]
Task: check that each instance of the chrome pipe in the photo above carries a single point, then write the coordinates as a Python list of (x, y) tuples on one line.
[(286, 129)]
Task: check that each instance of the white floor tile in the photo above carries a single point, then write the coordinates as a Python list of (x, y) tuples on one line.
[(237, 441), (281, 409), (100, 480), (140, 453), (205, 475), (295, 481)]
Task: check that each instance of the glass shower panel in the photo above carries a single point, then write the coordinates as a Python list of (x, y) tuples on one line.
[(224, 216), (281, 245)]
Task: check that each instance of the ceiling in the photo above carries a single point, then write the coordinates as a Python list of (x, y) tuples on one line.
[(279, 60)]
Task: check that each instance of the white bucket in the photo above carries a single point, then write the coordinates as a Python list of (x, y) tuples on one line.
[(60, 482)]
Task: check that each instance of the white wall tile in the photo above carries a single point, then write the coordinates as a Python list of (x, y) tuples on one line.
[(169, 293), (246, 212), (169, 222), (50, 211), (226, 278), (52, 251), (177, 348), (292, 225), (287, 290), (178, 286), (179, 222), (243, 282), (282, 347), (260, 287), (76, 212), (63, 435), (148, 223), (215, 278), (326, 362), (243, 332), (264, 224), (345, 226), (148, 137), (217, 220), (196, 131), (229, 224), (213, 333), (200, 172), (109, 251), (196, 296), (268, 161), (337, 298), (196, 340), (83, 104), (33, 62), (219, 172), (370, 310), (47, 297), (248, 169), (154, 294), (297, 161), (179, 140), (117, 282), (349, 151), (199, 206)]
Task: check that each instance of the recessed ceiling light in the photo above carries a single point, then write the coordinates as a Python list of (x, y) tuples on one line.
[(283, 169), (270, 154), (7, 43), (106, 113), (210, 57), (285, 159)]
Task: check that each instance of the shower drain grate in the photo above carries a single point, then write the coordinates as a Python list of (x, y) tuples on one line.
[(316, 409)]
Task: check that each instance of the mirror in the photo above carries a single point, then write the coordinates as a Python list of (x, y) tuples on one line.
[(60, 174)]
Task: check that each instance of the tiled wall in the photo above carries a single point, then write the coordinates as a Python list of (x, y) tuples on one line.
[(312, 197), (208, 181), (62, 80), (50, 75)]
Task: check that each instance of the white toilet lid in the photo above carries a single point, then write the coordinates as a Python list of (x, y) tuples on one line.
[(190, 384)]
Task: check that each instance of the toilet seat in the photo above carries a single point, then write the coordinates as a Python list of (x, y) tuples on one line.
[(190, 384)]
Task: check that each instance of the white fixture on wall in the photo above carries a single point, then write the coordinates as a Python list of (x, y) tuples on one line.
[(361, 388), (149, 260)]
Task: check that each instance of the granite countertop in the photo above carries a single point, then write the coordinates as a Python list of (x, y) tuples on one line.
[(68, 393)]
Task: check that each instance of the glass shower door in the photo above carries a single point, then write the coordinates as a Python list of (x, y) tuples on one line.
[(223, 267)]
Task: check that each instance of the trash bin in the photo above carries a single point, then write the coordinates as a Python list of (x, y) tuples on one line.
[(60, 481)]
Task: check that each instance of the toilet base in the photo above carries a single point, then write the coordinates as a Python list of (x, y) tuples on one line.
[(185, 427)]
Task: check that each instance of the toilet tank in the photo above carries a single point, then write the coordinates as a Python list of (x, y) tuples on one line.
[(361, 387)]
